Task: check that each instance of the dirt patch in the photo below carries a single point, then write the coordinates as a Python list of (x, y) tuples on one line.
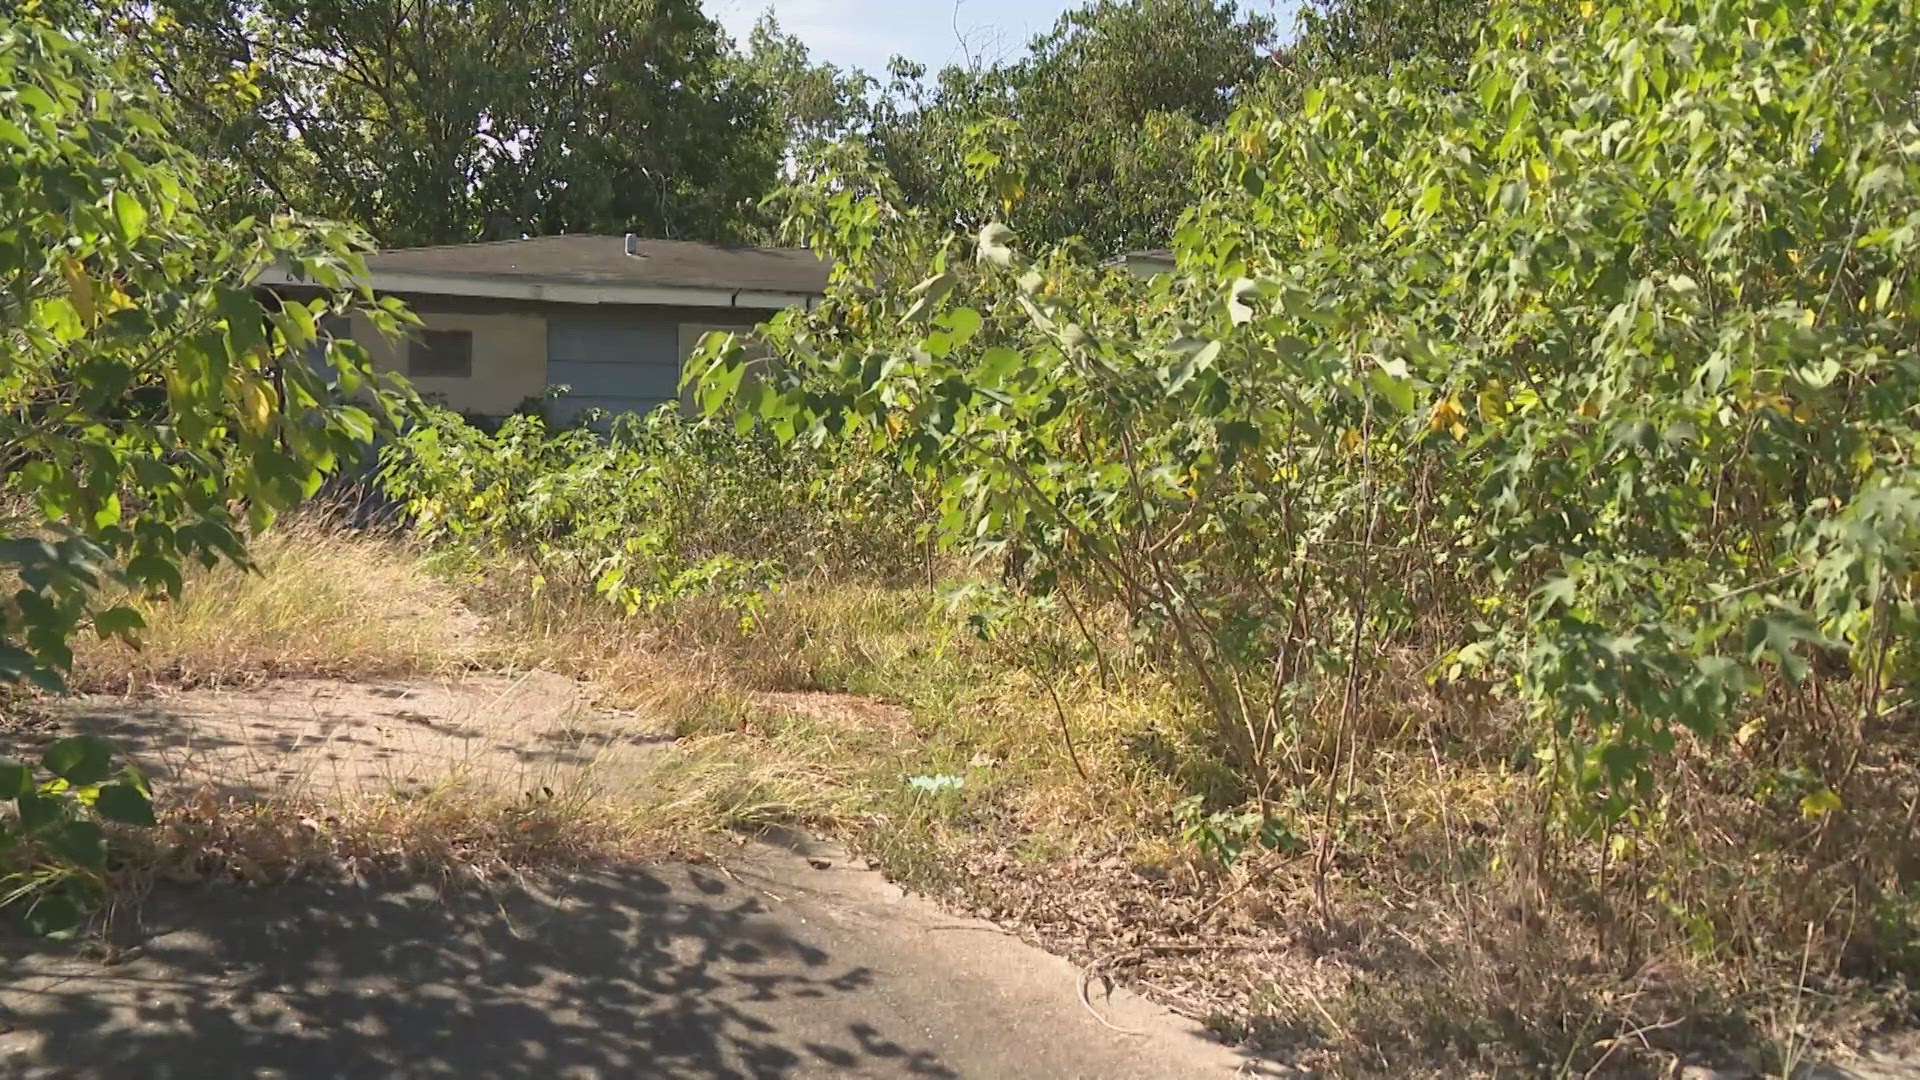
[(838, 710), (320, 738)]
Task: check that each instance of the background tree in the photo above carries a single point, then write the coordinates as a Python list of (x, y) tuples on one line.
[(1090, 134), (1355, 38), (812, 103), (436, 121)]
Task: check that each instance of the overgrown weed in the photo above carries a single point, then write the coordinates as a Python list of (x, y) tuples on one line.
[(1470, 932)]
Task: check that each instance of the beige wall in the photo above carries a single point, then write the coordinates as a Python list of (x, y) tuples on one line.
[(509, 359)]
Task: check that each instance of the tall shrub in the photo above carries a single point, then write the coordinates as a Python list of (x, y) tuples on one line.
[(1593, 380)]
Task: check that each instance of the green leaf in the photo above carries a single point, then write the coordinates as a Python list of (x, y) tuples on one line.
[(125, 804), (15, 778), (79, 760), (999, 362), (17, 664), (121, 621), (1780, 632), (129, 215), (109, 513), (81, 841), (1819, 804), (1391, 380), (936, 286), (356, 423), (1558, 591), (960, 324), (1620, 761), (152, 570), (1880, 178), (34, 98), (53, 915), (1197, 360), (38, 812), (1429, 203), (59, 317)]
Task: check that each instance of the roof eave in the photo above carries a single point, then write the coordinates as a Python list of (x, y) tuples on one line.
[(565, 292)]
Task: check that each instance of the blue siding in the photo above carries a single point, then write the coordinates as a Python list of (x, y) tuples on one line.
[(624, 361)]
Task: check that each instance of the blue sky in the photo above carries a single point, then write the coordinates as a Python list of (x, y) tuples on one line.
[(865, 33)]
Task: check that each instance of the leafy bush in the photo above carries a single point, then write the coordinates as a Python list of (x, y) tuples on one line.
[(1588, 388), (660, 509), (1611, 353), (53, 855), (1225, 836), (154, 406)]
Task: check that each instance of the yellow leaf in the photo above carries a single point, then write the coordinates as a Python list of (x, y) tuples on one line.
[(1819, 804), (256, 401), (1447, 414), (1492, 401), (80, 287)]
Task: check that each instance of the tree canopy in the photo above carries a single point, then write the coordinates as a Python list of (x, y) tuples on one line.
[(444, 121), (1101, 117), (437, 121)]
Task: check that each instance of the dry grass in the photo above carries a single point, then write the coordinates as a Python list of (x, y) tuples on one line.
[(1466, 935), (324, 602), (458, 829), (469, 831)]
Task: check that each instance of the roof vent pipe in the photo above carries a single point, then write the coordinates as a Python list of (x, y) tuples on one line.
[(633, 244)]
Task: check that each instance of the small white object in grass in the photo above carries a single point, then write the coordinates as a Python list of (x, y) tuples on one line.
[(933, 785)]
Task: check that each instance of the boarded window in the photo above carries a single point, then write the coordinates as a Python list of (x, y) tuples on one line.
[(441, 354)]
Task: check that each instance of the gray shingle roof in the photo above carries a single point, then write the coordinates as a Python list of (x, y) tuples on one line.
[(602, 260)]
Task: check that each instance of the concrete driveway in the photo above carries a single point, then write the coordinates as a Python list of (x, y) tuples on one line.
[(771, 967)]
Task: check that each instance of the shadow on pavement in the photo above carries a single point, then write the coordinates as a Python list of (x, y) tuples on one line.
[(628, 973)]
